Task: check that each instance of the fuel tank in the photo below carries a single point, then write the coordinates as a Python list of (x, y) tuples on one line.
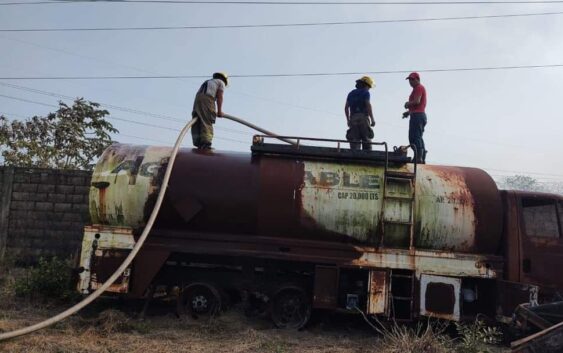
[(446, 208)]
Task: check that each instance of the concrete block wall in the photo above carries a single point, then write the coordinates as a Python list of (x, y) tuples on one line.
[(42, 212)]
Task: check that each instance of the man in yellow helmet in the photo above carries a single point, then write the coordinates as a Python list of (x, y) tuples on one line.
[(209, 94), (359, 115)]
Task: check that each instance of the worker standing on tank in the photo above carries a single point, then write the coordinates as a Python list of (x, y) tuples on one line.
[(359, 115), (416, 106), (209, 94)]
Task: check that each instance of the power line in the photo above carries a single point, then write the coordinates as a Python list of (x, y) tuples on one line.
[(56, 95), (542, 176), (285, 3), (136, 111), (116, 118), (118, 134), (546, 176), (13, 114), (245, 133), (123, 109), (309, 74), (28, 101), (231, 91), (274, 25)]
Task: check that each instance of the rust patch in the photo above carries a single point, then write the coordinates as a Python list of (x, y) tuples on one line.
[(378, 290), (104, 264)]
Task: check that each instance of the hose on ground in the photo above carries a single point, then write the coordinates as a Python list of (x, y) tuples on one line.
[(90, 298)]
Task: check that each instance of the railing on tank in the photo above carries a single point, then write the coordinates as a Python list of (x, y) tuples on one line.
[(297, 143)]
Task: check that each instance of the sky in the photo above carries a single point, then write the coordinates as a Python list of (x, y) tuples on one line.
[(506, 121)]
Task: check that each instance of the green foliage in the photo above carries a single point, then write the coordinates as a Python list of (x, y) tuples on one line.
[(50, 279), (424, 338), (70, 138), (475, 337)]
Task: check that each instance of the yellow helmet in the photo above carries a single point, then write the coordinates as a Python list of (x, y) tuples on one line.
[(222, 76), (367, 80)]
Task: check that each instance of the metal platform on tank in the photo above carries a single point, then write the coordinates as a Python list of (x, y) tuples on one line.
[(259, 147)]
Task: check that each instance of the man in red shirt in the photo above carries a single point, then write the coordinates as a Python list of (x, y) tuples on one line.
[(416, 109)]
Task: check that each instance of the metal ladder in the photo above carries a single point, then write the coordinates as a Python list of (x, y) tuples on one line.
[(399, 179), (401, 295)]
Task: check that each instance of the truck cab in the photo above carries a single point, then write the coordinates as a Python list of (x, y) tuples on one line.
[(533, 241)]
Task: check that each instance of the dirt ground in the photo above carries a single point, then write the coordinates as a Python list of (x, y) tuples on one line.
[(111, 327)]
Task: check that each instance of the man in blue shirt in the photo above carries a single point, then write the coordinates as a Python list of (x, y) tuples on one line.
[(359, 115)]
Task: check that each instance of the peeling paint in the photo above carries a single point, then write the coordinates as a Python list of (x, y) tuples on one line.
[(128, 175)]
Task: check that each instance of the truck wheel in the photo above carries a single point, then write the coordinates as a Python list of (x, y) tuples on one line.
[(290, 308), (199, 300)]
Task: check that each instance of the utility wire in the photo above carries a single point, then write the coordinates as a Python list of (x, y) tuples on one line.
[(274, 25), (158, 116), (115, 118), (139, 138), (309, 74), (115, 107), (541, 175), (292, 3), (117, 134)]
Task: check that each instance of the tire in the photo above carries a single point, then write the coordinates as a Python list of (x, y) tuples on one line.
[(199, 300), (290, 308)]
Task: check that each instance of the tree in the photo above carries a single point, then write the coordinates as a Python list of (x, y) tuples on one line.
[(520, 182), (70, 138)]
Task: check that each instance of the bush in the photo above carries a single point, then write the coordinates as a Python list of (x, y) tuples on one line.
[(50, 279), (424, 338), (474, 338)]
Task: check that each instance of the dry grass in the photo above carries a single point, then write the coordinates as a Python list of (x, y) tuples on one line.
[(110, 327), (424, 338), (113, 331), (116, 332)]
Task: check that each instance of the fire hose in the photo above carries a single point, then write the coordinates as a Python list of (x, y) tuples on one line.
[(90, 298)]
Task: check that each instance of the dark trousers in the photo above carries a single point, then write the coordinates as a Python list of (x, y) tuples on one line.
[(359, 132), (416, 130)]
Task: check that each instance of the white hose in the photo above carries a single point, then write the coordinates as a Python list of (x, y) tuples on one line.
[(72, 310), (252, 126)]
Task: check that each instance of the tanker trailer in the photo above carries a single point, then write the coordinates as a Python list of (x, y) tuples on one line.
[(290, 229)]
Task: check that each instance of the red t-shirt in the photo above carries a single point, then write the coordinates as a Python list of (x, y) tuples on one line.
[(418, 90)]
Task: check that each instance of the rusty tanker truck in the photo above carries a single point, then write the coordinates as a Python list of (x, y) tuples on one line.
[(291, 229)]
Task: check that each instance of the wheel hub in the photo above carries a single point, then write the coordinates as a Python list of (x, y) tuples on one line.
[(199, 303)]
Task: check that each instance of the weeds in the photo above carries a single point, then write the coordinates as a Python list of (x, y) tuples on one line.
[(424, 338), (50, 279), (475, 337), (273, 346), (431, 337)]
